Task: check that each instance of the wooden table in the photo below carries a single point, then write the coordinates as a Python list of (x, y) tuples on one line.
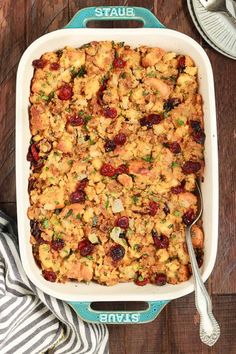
[(176, 329)]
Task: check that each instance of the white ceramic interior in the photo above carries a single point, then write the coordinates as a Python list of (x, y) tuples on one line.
[(164, 38)]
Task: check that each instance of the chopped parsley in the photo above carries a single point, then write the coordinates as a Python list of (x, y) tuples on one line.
[(170, 226), (45, 223), (91, 142), (81, 71), (90, 258), (70, 162), (177, 213), (151, 74), (155, 199), (78, 72), (148, 158), (87, 119), (175, 164), (135, 199), (78, 216), (104, 79), (136, 247), (145, 92), (123, 75), (180, 122), (107, 203), (70, 212), (46, 97)]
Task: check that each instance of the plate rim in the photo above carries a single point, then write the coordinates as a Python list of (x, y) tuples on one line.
[(203, 33)]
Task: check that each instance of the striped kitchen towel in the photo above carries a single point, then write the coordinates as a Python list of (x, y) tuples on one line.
[(32, 322)]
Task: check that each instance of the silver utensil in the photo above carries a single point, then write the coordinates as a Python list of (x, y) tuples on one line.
[(231, 7), (218, 6), (209, 328)]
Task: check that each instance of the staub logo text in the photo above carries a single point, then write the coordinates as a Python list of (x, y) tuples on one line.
[(114, 12), (119, 317)]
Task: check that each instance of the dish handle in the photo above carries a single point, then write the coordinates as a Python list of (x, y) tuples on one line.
[(84, 310), (108, 13)]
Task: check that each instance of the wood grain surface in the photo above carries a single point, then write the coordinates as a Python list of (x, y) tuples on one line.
[(176, 328)]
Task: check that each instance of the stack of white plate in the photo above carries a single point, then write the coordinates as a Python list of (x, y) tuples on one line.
[(218, 29)]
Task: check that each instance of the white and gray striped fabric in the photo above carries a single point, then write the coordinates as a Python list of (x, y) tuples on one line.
[(32, 322)]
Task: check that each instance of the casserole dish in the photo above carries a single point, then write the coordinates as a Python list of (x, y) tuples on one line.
[(79, 295)]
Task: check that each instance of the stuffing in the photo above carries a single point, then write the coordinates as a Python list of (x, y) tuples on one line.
[(117, 143)]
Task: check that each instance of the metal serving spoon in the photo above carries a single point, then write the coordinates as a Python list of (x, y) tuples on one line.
[(209, 328), (218, 6)]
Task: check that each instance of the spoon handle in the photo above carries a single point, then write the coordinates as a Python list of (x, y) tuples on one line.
[(209, 328)]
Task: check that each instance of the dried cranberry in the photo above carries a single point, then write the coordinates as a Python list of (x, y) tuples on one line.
[(179, 189), (170, 104), (85, 247), (82, 184), (196, 125), (154, 118), (65, 92), (120, 139), (110, 112), (199, 262), (199, 256), (181, 64), (123, 222), (36, 255), (166, 209), (57, 245), (117, 252), (33, 153), (75, 120), (144, 122), (160, 241), (142, 282), (109, 145), (38, 165), (153, 208), (199, 137), (31, 184), (107, 170), (100, 91), (122, 169), (39, 63), (188, 217), (175, 147), (119, 63), (160, 279), (49, 275), (191, 167), (35, 229), (150, 120), (54, 66), (78, 196)]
